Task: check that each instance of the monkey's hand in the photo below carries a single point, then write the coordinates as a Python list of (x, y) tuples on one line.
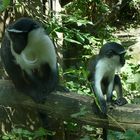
[(120, 101)]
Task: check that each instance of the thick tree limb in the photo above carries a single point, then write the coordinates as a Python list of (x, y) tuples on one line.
[(18, 109)]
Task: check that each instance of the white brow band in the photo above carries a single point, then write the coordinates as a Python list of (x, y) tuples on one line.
[(16, 31), (122, 52)]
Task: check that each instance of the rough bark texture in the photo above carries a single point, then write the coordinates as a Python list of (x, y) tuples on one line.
[(16, 109)]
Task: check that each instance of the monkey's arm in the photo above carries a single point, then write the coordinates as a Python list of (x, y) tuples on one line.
[(49, 77), (98, 91), (118, 87), (95, 77), (52, 82), (110, 89)]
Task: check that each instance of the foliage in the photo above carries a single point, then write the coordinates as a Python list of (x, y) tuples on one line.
[(136, 5), (80, 75), (89, 9), (4, 4), (130, 73), (87, 43), (128, 135), (21, 134), (85, 25), (129, 11)]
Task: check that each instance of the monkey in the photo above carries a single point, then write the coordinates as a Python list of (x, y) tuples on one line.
[(103, 74), (104, 78), (29, 58)]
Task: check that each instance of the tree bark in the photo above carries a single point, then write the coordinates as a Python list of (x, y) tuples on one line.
[(17, 109)]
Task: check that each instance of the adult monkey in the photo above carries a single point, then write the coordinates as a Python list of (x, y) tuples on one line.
[(29, 58), (104, 78)]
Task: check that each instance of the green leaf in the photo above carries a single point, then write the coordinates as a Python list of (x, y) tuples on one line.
[(85, 138), (72, 41), (43, 132), (6, 3), (5, 138), (80, 38), (132, 135)]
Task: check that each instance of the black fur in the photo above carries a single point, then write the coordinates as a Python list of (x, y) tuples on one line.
[(43, 79), (107, 51)]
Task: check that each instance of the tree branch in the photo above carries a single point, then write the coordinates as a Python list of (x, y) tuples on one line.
[(19, 109)]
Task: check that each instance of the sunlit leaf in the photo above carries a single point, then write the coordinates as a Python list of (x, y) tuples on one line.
[(72, 41), (6, 3)]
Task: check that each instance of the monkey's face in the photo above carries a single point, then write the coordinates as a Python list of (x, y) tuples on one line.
[(118, 59), (113, 51), (18, 33), (18, 40), (122, 59)]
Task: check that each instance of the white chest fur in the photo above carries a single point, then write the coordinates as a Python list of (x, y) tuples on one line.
[(107, 67), (39, 50)]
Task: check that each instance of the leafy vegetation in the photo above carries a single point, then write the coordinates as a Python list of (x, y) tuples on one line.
[(4, 4), (21, 134), (128, 135), (86, 25)]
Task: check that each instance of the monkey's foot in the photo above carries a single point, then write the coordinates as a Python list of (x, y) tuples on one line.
[(120, 101)]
